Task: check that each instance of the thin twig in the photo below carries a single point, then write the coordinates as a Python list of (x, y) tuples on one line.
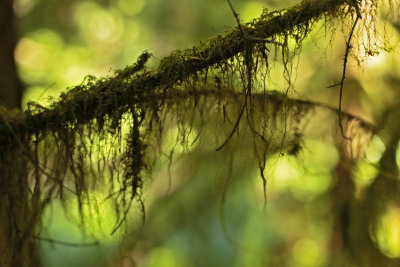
[(118, 224), (236, 17), (346, 55), (248, 61), (65, 243), (235, 126)]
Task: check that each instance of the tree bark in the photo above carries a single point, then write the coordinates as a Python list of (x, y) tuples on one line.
[(10, 86), (17, 247)]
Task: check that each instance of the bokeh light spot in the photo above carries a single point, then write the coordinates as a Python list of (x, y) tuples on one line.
[(306, 252), (251, 10), (364, 174), (375, 149), (97, 23), (29, 53), (103, 26), (130, 7), (388, 232), (286, 169), (165, 257), (23, 7)]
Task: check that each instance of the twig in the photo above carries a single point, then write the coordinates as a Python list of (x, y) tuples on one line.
[(65, 243), (248, 60), (236, 17), (346, 55), (235, 126)]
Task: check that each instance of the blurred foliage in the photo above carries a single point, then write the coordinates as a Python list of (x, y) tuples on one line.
[(207, 218)]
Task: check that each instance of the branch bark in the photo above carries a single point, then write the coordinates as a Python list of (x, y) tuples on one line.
[(80, 106)]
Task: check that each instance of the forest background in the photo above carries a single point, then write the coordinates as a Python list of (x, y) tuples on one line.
[(197, 213)]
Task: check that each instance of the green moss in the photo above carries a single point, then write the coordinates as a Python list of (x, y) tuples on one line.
[(106, 131)]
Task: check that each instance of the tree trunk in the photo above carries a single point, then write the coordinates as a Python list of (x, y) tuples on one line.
[(10, 86), (17, 243)]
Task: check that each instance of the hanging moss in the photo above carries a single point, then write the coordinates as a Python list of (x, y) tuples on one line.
[(108, 130)]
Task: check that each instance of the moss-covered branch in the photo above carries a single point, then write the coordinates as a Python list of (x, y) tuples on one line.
[(99, 98), (109, 130)]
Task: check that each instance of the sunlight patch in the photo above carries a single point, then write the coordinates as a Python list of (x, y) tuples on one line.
[(388, 233)]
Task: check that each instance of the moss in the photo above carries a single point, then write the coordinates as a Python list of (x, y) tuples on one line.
[(113, 124)]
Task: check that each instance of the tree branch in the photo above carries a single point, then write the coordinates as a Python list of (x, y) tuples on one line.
[(80, 105)]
